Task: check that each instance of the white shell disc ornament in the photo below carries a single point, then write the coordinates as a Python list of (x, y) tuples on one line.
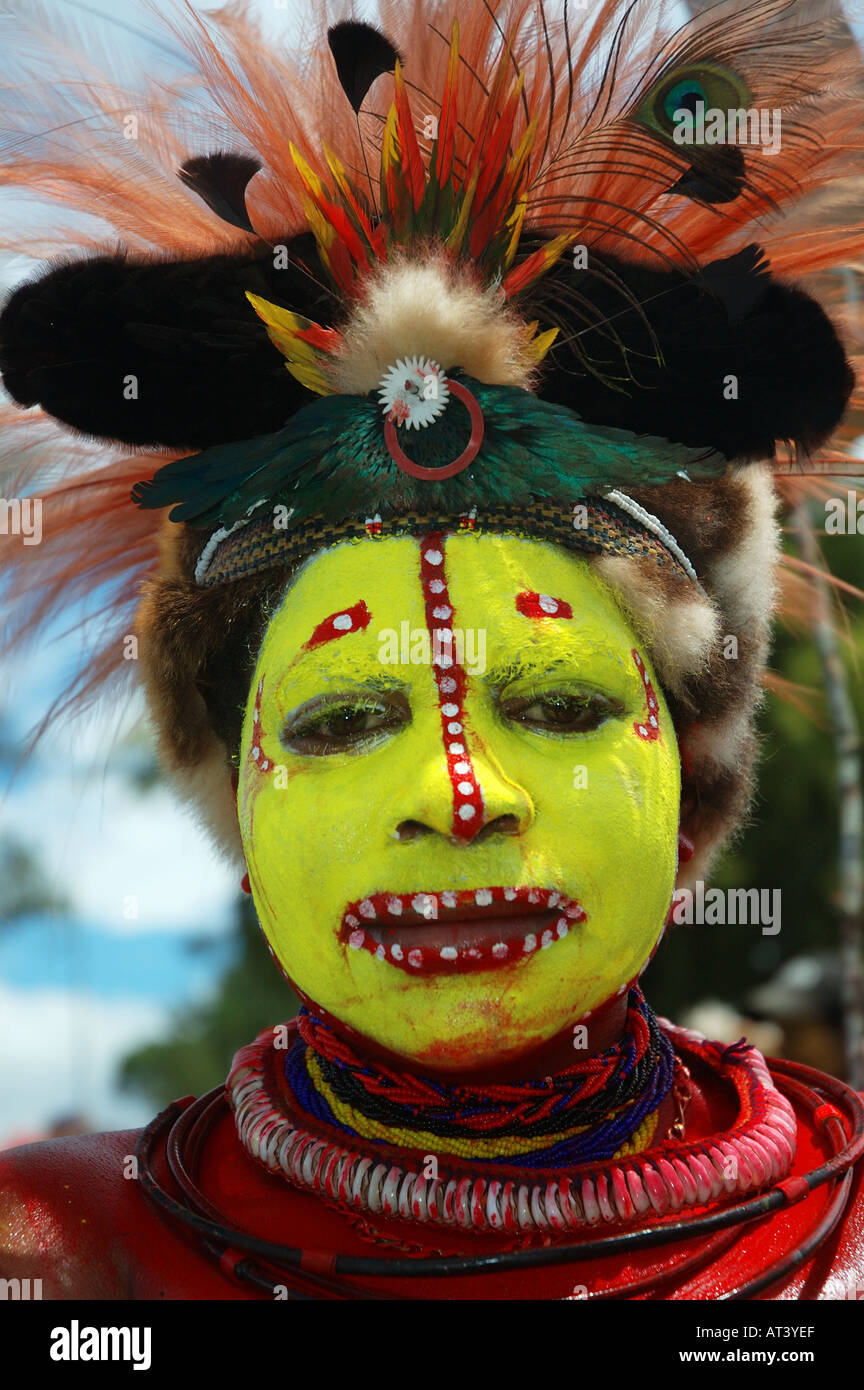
[(413, 392)]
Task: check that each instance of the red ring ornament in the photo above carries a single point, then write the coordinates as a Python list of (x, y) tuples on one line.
[(468, 454)]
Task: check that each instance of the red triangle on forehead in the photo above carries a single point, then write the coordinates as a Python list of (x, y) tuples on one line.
[(339, 624)]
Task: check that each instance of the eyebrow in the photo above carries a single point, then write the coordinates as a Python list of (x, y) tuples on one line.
[(512, 670), (347, 685)]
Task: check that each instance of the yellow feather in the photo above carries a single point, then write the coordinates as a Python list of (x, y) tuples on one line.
[(539, 346), (302, 360)]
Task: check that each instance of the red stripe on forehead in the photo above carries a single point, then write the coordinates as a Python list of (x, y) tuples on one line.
[(451, 682), (339, 624)]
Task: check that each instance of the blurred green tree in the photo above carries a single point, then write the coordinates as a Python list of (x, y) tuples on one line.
[(197, 1055)]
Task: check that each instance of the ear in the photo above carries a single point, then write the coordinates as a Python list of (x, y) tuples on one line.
[(164, 353), (725, 357)]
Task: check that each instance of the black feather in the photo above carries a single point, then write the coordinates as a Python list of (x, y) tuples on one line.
[(361, 53), (717, 174), (220, 180), (665, 369), (206, 372), (739, 281)]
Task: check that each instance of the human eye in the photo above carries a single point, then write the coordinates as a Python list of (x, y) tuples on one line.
[(344, 723), (564, 711)]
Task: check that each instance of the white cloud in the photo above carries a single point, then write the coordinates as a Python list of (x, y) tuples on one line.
[(60, 1055), (108, 848)]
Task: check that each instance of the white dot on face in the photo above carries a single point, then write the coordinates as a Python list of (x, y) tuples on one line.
[(447, 685), (454, 728), (466, 813), (256, 753), (426, 905), (456, 749), (642, 730), (548, 604), (356, 939), (500, 950), (433, 557), (380, 952), (396, 951), (562, 926), (653, 721), (394, 907), (449, 899), (449, 953), (415, 958), (529, 944), (462, 769), (436, 586), (366, 909), (465, 788), (450, 710), (442, 612), (343, 623), (545, 940), (483, 897), (445, 662)]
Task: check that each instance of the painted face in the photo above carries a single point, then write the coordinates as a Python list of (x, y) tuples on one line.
[(458, 794)]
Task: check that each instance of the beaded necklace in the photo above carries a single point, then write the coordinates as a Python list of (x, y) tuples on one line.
[(376, 1178), (592, 1110)]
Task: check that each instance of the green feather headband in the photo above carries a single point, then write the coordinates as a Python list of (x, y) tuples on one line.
[(332, 462)]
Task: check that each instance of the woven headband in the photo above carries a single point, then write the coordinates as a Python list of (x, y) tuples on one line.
[(613, 525)]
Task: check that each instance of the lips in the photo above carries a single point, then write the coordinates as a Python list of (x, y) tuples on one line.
[(457, 932)]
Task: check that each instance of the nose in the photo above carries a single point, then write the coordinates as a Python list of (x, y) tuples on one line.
[(498, 805)]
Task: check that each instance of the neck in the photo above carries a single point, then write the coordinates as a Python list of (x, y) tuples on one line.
[(604, 1028)]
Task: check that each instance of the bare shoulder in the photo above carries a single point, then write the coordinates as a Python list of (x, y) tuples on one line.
[(64, 1208)]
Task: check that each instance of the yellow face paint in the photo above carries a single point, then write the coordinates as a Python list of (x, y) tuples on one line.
[(458, 845)]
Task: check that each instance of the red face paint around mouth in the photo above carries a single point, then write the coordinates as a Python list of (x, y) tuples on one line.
[(456, 932)]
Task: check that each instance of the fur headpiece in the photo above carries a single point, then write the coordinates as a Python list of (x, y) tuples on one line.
[(551, 298)]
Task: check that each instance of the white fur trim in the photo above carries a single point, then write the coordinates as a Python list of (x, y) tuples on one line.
[(653, 524), (432, 309), (745, 575), (680, 633)]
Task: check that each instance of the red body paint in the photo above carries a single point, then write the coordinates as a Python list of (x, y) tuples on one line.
[(451, 681)]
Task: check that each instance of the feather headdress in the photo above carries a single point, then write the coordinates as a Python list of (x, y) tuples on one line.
[(529, 212)]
